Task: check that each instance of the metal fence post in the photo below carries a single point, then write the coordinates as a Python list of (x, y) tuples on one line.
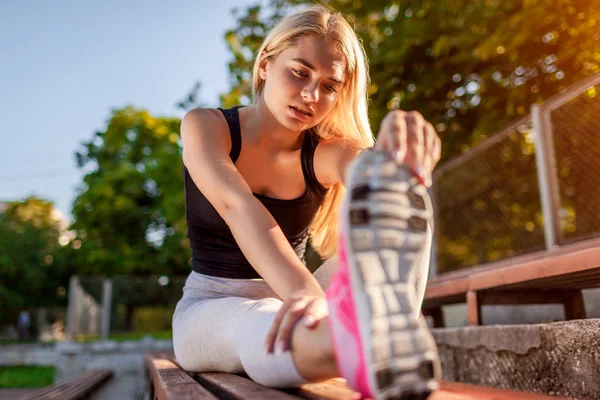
[(72, 310), (547, 174), (106, 307)]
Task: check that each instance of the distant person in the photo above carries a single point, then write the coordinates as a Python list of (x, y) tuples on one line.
[(260, 179), (23, 325)]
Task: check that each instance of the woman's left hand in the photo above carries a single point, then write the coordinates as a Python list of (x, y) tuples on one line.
[(299, 306), (411, 140)]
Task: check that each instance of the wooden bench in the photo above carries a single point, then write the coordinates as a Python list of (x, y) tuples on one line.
[(80, 387), (167, 381), (546, 277)]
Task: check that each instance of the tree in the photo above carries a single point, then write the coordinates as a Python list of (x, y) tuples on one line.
[(130, 209), (32, 262), (470, 67)]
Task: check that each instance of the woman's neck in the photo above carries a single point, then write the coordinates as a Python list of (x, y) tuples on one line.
[(262, 129)]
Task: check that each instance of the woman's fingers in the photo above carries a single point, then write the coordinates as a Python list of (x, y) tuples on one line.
[(309, 310), (284, 334), (315, 311), (415, 141), (411, 140), (429, 151), (274, 329), (393, 135)]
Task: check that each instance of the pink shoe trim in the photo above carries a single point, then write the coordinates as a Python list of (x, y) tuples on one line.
[(340, 291)]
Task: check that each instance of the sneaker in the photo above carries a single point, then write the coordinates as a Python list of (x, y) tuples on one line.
[(383, 347)]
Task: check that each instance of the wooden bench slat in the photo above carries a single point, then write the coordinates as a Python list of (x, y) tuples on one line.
[(487, 393), (331, 389), (170, 382), (555, 276), (578, 280), (233, 386), (447, 288), (72, 387), (552, 266)]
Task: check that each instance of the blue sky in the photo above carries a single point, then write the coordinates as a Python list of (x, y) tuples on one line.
[(64, 65)]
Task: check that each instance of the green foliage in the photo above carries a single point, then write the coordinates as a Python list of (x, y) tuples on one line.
[(468, 66), (33, 266), (130, 210), (151, 319)]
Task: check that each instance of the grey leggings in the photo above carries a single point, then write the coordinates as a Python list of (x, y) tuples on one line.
[(220, 324)]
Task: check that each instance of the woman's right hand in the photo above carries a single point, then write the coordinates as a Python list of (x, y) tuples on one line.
[(300, 305)]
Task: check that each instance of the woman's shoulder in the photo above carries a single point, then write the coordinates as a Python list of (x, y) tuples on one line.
[(206, 126), (204, 115)]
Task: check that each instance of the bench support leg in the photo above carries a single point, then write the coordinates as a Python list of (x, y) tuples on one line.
[(574, 305), (438, 317), (473, 308)]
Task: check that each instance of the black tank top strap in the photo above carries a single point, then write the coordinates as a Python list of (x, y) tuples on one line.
[(233, 121), (309, 145)]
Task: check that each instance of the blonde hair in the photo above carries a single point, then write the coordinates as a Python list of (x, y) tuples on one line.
[(347, 120)]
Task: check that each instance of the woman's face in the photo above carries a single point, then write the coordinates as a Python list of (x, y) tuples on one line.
[(303, 83)]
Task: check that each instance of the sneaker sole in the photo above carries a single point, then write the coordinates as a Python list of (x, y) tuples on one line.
[(387, 218)]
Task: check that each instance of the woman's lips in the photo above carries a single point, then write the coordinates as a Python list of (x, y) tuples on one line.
[(298, 114)]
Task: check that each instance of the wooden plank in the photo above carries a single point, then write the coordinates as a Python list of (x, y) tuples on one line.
[(473, 308), (336, 389), (554, 266), (526, 258), (231, 386), (447, 288), (73, 387), (171, 382), (514, 297), (576, 280), (487, 393), (331, 389), (84, 386)]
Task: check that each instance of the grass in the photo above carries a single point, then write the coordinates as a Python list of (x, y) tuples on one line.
[(117, 337), (26, 377)]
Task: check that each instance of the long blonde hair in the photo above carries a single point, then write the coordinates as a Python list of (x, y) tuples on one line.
[(347, 120)]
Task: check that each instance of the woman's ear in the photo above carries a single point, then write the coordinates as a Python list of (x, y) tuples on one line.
[(262, 66)]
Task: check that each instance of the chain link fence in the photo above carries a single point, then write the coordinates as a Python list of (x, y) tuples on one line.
[(576, 132), (488, 202), (532, 186)]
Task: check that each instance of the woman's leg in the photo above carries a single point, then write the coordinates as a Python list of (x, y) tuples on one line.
[(228, 335), (381, 343), (312, 350)]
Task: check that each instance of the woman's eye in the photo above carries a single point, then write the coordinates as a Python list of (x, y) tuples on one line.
[(330, 88), (301, 73)]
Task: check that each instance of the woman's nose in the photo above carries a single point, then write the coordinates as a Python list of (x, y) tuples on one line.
[(311, 93)]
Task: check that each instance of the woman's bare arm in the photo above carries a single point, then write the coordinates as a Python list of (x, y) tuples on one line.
[(332, 160), (206, 147)]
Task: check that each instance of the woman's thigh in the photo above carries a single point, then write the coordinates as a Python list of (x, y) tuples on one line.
[(205, 336)]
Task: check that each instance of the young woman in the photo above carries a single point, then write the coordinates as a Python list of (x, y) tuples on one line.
[(260, 179)]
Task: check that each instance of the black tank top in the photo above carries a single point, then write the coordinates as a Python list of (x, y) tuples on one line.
[(214, 249)]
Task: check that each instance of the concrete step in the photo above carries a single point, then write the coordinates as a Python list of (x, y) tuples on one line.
[(561, 358)]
